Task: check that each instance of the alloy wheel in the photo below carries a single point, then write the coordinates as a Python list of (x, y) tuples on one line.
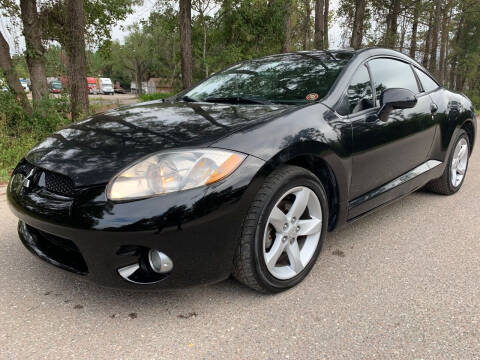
[(292, 232), (459, 163)]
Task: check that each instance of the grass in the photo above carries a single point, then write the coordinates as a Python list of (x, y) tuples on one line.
[(156, 96), (19, 131)]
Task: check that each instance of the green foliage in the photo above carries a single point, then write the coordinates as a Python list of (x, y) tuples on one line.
[(156, 96), (20, 65), (19, 132), (53, 62), (101, 16)]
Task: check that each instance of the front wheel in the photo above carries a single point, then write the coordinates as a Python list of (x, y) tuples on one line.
[(283, 231)]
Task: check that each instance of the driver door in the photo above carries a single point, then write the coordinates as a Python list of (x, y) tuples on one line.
[(385, 149)]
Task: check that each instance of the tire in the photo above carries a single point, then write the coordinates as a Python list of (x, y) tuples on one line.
[(250, 267), (444, 185)]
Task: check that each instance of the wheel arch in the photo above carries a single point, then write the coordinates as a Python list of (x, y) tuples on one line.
[(469, 128), (324, 164)]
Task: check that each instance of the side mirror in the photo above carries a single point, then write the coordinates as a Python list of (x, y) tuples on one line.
[(396, 99)]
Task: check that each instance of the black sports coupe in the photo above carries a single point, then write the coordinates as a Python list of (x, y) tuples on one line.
[(243, 174)]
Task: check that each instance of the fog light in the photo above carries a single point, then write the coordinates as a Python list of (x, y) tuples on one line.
[(159, 262)]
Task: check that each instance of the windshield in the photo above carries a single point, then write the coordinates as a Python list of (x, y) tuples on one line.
[(290, 78), (106, 82), (56, 85)]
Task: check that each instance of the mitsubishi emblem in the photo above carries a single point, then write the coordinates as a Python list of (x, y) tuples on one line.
[(28, 179)]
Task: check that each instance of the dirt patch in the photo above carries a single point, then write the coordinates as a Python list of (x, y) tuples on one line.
[(338, 252)]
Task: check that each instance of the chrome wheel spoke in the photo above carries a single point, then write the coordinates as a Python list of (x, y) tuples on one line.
[(273, 255), (300, 204), (278, 219), (309, 227), (462, 152), (293, 252)]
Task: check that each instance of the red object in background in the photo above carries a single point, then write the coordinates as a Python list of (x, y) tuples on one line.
[(64, 81), (92, 84)]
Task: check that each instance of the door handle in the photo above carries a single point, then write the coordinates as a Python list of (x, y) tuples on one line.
[(433, 108)]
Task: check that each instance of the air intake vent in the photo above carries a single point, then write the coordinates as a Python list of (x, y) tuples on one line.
[(58, 184)]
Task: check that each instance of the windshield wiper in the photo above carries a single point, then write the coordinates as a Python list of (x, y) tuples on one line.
[(188, 99), (239, 100)]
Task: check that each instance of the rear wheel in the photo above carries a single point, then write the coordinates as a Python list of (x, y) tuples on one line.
[(283, 232), (456, 169)]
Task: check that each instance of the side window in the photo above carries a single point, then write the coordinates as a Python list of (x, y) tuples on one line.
[(359, 95), (389, 73), (427, 82)]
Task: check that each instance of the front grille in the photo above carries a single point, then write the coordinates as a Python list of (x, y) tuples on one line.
[(58, 184), (55, 183), (61, 252)]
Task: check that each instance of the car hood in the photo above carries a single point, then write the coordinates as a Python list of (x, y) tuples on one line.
[(93, 151)]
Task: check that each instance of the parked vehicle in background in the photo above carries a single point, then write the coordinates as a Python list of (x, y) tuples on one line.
[(118, 88), (106, 86), (92, 85), (56, 87), (25, 85)]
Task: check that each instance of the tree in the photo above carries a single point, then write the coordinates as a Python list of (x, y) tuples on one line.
[(392, 24), (326, 14), (287, 26), (185, 20), (357, 29), (413, 41), (71, 23), (11, 75), (77, 60), (307, 24), (32, 32), (319, 37), (203, 7), (432, 65)]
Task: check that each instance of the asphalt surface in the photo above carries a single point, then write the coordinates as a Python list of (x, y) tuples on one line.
[(403, 283)]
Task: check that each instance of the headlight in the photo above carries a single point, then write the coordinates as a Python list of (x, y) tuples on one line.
[(171, 171)]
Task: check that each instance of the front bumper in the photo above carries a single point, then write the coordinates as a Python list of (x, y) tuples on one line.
[(94, 238)]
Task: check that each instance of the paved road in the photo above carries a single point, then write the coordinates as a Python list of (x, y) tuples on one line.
[(400, 284)]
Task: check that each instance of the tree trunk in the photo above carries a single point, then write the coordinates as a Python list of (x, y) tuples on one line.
[(139, 77), (287, 27), (204, 46), (35, 51), (358, 20), (413, 42), (432, 66), (77, 60), (319, 36), (325, 24), (443, 44), (306, 30), (185, 19), (392, 24), (11, 75), (428, 39), (403, 30)]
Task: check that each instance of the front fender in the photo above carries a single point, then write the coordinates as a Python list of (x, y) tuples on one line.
[(310, 131)]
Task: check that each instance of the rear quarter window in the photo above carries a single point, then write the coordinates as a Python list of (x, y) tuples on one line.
[(427, 82)]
